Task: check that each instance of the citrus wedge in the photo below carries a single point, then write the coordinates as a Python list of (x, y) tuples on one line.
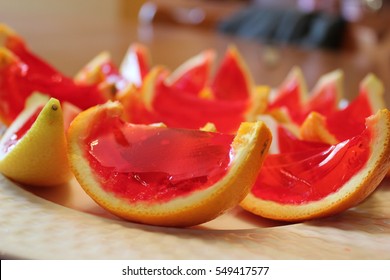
[(293, 97), (26, 73), (290, 94), (101, 71), (163, 176), (138, 102), (233, 80), (136, 64), (348, 121), (190, 97), (193, 76), (323, 181), (33, 148), (157, 102)]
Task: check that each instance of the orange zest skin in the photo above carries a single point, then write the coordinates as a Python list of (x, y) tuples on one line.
[(367, 103)]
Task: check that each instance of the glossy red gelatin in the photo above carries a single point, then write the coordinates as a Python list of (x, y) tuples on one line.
[(179, 110), (143, 163), (195, 79), (289, 143), (353, 118), (310, 175), (30, 73), (187, 111), (230, 82), (325, 102), (289, 97)]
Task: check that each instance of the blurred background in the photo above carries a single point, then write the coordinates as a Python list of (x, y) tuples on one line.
[(273, 36), (330, 24)]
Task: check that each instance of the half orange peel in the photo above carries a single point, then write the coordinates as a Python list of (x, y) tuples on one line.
[(291, 101), (316, 126), (250, 145), (352, 192)]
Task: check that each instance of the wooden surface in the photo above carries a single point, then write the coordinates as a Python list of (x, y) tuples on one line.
[(33, 227), (68, 36)]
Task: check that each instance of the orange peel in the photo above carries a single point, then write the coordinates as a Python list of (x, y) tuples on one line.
[(37, 156), (353, 190), (250, 145)]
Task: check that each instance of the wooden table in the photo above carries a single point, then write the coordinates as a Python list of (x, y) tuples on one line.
[(68, 36)]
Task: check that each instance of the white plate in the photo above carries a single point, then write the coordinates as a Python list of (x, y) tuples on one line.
[(64, 223)]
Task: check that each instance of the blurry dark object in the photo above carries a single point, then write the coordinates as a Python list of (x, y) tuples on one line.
[(274, 25), (348, 25)]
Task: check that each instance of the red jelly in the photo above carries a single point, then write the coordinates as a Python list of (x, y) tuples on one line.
[(289, 97), (29, 73), (288, 142), (183, 110), (310, 175), (353, 118), (230, 82), (196, 78), (143, 163)]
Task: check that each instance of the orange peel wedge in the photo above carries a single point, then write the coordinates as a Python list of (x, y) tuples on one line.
[(354, 189), (33, 152), (249, 146)]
